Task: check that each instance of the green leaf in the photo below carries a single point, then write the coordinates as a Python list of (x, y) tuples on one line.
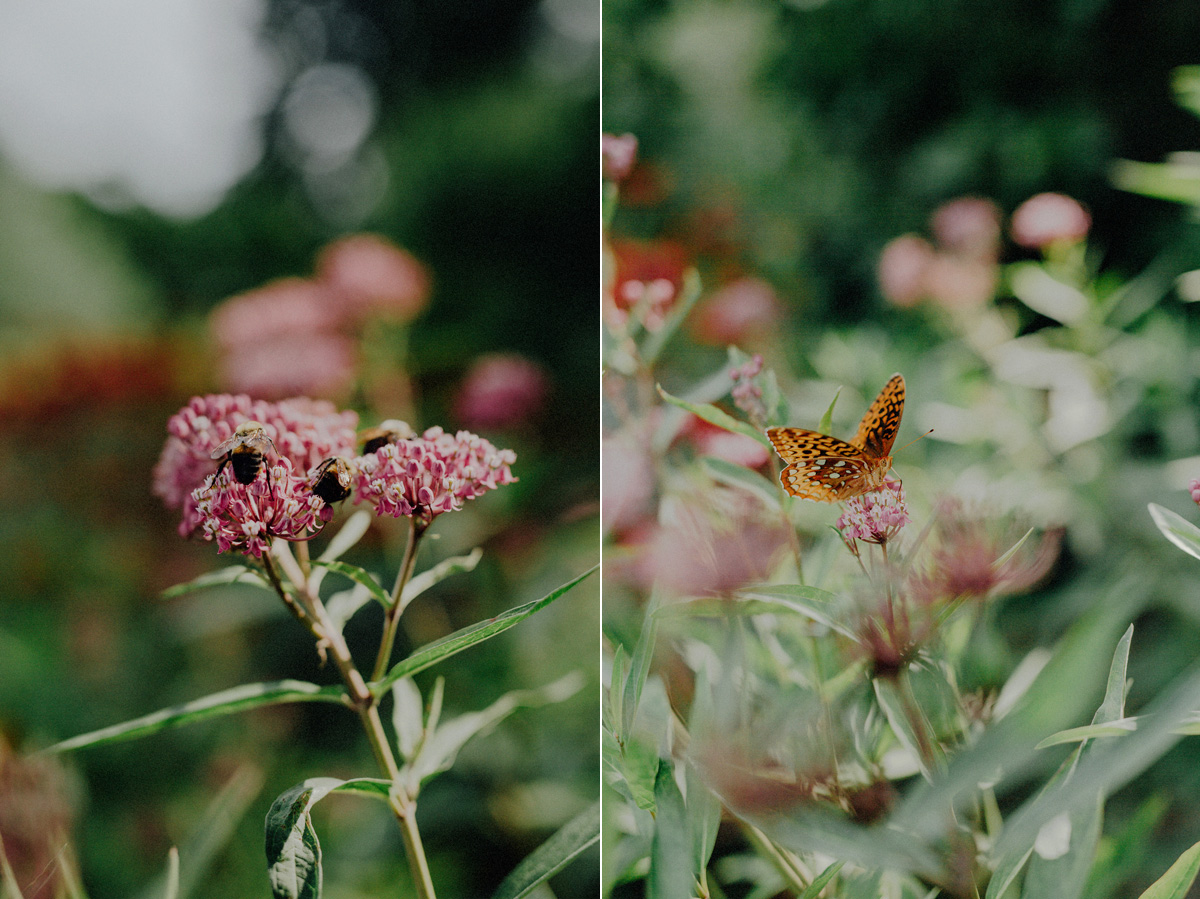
[(1006, 873), (1178, 530), (813, 890), (234, 574), (553, 855), (1119, 728), (616, 691), (825, 425), (1058, 874), (237, 699), (811, 602), (293, 850), (725, 472), (1012, 551), (718, 417), (639, 669), (671, 875), (171, 889), (347, 536), (408, 717), (1175, 181), (1179, 878), (441, 747), (451, 644), (345, 604), (438, 573), (704, 813), (887, 692), (1185, 82), (359, 576)]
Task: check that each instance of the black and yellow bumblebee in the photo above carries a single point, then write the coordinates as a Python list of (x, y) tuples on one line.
[(372, 439), (331, 480), (244, 451)]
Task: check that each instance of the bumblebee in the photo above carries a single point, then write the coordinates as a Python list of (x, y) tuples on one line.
[(244, 451), (331, 480), (372, 439)]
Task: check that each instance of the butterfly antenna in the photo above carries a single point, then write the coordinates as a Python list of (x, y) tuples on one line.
[(911, 442)]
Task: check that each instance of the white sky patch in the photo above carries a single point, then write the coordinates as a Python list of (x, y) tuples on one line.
[(157, 102)]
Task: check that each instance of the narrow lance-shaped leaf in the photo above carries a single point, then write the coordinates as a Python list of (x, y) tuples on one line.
[(552, 856), (237, 699), (671, 875), (718, 417), (825, 425), (438, 573), (432, 653), (1178, 880), (233, 574), (359, 576), (725, 472), (639, 668), (293, 850), (1178, 530)]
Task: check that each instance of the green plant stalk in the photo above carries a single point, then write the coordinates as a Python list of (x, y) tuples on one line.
[(392, 619), (778, 856), (365, 703)]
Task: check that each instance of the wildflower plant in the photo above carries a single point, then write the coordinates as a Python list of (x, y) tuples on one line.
[(846, 718), (269, 514)]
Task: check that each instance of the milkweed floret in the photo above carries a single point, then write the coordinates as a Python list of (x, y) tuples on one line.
[(246, 517), (875, 517)]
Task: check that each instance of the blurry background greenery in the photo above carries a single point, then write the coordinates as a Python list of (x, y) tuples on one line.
[(791, 141), (157, 158)]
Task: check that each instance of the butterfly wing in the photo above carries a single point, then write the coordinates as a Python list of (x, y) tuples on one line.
[(877, 431), (819, 467)]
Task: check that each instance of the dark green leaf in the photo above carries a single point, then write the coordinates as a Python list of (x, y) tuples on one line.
[(237, 699), (432, 653), (718, 417), (671, 875), (553, 855)]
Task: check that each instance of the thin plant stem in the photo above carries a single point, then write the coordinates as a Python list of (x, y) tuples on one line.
[(783, 860), (392, 619), (366, 704), (300, 614)]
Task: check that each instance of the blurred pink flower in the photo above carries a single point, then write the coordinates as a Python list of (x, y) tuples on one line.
[(315, 363), (750, 785), (738, 312), (284, 307), (304, 431), (955, 282), (1050, 218), (617, 155), (37, 812), (1194, 490), (968, 226), (902, 269), (501, 390), (747, 395), (711, 544), (432, 474), (875, 517), (369, 276), (277, 503), (627, 484)]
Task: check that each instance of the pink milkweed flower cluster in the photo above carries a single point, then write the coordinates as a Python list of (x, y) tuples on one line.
[(298, 335), (1048, 219), (501, 390), (746, 394), (1194, 490), (876, 517), (429, 475), (420, 477)]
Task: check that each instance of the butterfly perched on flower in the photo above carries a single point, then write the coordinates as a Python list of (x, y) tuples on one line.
[(829, 470)]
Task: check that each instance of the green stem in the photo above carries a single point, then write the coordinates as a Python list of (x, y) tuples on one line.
[(392, 620)]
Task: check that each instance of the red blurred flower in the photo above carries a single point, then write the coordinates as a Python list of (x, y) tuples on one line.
[(1048, 219), (711, 440), (501, 390), (647, 278), (740, 311)]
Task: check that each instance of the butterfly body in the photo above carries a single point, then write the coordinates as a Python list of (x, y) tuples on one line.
[(827, 469)]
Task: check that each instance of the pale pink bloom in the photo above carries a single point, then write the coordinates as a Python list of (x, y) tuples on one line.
[(1194, 490), (1050, 218), (647, 280), (500, 391), (246, 517), (371, 277), (312, 363), (968, 226), (747, 395), (304, 431), (617, 155), (955, 282), (711, 544), (738, 312), (902, 269), (285, 307), (431, 474), (627, 479), (875, 517)]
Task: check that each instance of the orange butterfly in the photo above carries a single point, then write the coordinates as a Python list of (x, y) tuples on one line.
[(829, 470)]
